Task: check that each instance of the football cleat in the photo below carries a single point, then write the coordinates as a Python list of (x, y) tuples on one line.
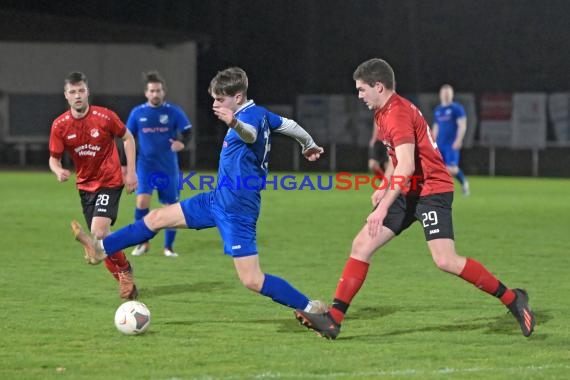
[(522, 312), (321, 323), (93, 254), (170, 253), (127, 287), (141, 249)]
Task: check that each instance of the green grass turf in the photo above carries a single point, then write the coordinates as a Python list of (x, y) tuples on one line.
[(409, 321)]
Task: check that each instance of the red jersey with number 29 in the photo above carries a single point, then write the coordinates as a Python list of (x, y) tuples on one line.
[(401, 122), (90, 141)]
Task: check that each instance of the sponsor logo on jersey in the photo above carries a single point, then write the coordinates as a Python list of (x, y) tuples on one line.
[(163, 119), (69, 137), (155, 129), (87, 150), (142, 119)]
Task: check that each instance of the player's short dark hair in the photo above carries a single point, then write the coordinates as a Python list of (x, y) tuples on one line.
[(153, 76), (75, 77), (229, 82), (375, 70)]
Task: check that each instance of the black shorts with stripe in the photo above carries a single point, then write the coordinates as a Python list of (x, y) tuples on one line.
[(432, 211)]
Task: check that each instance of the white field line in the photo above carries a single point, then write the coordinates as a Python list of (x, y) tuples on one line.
[(368, 374)]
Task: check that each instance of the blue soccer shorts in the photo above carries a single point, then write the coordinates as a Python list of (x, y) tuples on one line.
[(165, 184), (238, 232), (450, 155)]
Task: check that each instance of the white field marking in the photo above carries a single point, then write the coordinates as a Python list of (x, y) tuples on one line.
[(402, 372)]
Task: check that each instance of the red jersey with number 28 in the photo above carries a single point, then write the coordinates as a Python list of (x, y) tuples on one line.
[(91, 143), (401, 122)]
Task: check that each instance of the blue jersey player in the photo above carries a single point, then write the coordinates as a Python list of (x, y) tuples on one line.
[(449, 126), (162, 130), (233, 206)]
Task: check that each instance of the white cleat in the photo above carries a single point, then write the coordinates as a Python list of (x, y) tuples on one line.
[(140, 249), (317, 307), (169, 253)]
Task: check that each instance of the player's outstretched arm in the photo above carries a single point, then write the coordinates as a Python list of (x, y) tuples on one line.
[(309, 148)]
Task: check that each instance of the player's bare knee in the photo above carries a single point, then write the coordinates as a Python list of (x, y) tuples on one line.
[(361, 249), (442, 263), (155, 219), (447, 263), (252, 283)]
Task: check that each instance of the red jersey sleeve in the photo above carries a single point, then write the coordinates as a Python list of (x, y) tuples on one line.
[(56, 146), (116, 126), (400, 125)]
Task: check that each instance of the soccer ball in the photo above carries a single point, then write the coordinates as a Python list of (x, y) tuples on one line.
[(132, 318)]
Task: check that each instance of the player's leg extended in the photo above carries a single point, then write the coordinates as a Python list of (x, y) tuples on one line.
[(356, 269), (400, 216), (274, 287), (116, 263), (238, 233), (470, 270), (143, 230), (135, 233), (353, 275), (141, 210)]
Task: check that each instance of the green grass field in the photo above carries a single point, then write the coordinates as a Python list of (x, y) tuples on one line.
[(409, 321)]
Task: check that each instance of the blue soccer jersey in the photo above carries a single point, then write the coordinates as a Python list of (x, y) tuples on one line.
[(446, 118), (153, 127), (244, 166)]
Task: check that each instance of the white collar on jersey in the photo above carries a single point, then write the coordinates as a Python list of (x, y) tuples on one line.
[(247, 104)]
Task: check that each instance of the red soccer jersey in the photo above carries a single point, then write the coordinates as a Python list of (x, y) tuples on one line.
[(401, 122), (91, 143)]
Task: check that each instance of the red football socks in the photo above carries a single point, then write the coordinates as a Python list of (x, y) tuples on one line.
[(117, 262), (475, 273), (111, 267), (350, 282)]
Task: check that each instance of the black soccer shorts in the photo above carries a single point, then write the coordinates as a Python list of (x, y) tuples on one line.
[(103, 202), (432, 211)]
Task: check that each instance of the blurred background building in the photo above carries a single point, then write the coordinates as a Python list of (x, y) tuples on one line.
[(508, 61)]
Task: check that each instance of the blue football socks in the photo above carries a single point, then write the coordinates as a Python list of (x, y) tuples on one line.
[(140, 213), (460, 177), (282, 292), (169, 236), (127, 236)]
